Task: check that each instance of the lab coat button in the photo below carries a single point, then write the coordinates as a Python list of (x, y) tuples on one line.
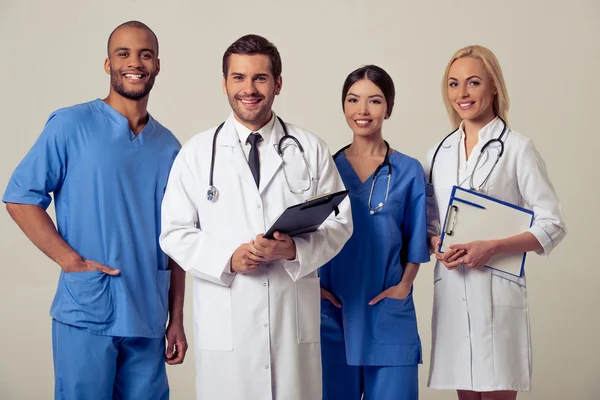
[(264, 283), (463, 299), (266, 367), (259, 206), (266, 325)]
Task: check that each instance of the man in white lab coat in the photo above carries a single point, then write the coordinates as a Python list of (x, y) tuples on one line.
[(256, 301)]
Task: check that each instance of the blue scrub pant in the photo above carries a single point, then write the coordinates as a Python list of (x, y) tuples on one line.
[(348, 382), (93, 367)]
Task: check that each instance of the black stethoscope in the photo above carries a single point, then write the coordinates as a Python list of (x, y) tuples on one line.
[(386, 162), (485, 146), (212, 192)]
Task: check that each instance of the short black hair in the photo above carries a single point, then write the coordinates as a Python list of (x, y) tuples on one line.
[(379, 77), (132, 24), (251, 45)]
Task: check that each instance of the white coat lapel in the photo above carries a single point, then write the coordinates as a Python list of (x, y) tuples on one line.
[(229, 146), (482, 169), (448, 160), (445, 172), (486, 165), (272, 160)]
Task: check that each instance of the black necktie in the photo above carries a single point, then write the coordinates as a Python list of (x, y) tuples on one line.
[(254, 139)]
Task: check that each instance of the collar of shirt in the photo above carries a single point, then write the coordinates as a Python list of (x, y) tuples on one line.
[(490, 131), (122, 122), (265, 131)]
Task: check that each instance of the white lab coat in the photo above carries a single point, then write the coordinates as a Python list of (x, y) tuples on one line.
[(257, 335), (480, 327)]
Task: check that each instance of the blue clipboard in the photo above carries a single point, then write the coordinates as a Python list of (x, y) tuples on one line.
[(475, 216)]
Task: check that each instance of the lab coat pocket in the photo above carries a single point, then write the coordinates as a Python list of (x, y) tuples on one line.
[(395, 322), (86, 300), (511, 346), (332, 326), (308, 298), (508, 290), (212, 316), (164, 283)]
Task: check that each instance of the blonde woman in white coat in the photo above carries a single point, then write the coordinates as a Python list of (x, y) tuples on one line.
[(481, 343)]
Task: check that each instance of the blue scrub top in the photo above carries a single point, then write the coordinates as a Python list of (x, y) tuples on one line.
[(372, 261), (108, 186)]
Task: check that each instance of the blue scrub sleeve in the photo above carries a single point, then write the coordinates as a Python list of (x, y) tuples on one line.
[(414, 231), (42, 170)]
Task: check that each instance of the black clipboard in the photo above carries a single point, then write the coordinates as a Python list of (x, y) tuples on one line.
[(308, 215)]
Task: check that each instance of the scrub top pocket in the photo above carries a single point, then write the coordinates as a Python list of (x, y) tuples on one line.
[(332, 326), (395, 322), (86, 300)]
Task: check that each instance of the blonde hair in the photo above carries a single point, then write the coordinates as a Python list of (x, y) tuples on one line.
[(491, 64)]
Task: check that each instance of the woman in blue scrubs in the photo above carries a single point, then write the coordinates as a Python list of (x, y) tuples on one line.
[(369, 337)]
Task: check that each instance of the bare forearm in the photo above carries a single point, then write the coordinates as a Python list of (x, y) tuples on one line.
[(410, 273), (517, 244), (37, 225), (176, 291)]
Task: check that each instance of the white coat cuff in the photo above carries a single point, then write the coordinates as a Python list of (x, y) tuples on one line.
[(224, 280), (293, 267), (544, 239), (211, 271), (432, 230), (228, 267)]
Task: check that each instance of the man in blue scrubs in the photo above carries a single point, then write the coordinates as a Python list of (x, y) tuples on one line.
[(106, 163)]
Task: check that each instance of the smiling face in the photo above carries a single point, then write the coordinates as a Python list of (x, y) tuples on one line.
[(471, 90), (251, 88), (365, 108), (132, 62)]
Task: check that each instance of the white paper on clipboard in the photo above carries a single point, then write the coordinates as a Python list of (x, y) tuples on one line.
[(474, 216)]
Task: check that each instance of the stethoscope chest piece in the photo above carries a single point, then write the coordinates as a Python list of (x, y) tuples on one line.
[(379, 207), (211, 193)]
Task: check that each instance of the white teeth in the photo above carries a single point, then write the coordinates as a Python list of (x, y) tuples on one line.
[(132, 76), (465, 104), (362, 122), (249, 101)]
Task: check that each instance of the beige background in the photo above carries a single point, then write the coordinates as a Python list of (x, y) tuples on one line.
[(52, 56)]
